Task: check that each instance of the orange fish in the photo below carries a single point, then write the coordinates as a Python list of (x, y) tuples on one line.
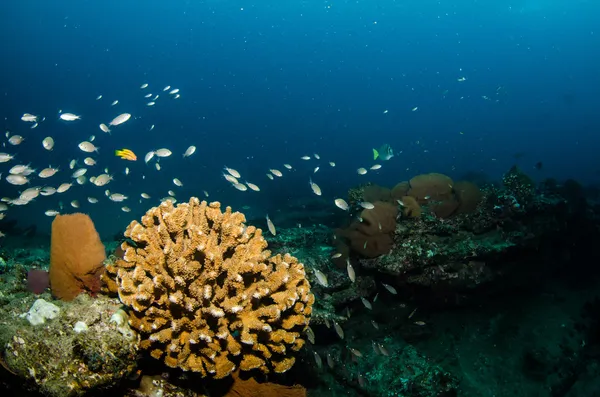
[(126, 154)]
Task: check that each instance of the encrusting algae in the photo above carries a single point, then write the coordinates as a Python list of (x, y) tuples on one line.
[(205, 294)]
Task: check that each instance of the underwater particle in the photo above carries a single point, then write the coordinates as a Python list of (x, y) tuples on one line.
[(48, 143), (315, 188), (69, 117), (120, 119), (189, 151), (177, 182), (276, 172), (390, 289), (361, 171), (271, 226), (341, 204), (338, 330), (321, 278), (305, 158), (232, 172)]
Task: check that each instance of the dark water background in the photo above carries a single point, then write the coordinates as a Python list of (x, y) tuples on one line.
[(266, 82)]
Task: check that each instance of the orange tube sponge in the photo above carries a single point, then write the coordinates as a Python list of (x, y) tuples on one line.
[(76, 256), (206, 295)]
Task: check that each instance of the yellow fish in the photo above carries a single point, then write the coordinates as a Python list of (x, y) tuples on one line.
[(126, 154)]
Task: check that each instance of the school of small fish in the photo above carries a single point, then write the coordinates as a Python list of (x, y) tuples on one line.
[(85, 172)]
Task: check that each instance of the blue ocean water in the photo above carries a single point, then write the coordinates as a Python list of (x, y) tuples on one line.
[(454, 87)]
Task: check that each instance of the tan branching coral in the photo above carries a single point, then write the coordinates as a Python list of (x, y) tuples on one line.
[(205, 293)]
